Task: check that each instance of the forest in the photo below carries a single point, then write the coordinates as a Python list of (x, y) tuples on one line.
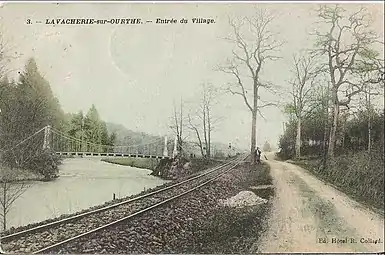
[(28, 105)]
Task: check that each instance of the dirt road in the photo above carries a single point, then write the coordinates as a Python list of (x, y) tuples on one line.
[(310, 216)]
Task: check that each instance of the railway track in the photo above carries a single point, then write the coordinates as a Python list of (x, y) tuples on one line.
[(47, 237)]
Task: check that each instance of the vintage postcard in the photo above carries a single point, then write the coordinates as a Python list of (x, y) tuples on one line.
[(191, 127)]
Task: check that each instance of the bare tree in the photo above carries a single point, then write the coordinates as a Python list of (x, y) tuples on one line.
[(203, 122), (374, 86), (178, 125), (3, 56), (11, 188), (7, 54), (305, 72), (194, 127), (347, 47), (252, 55)]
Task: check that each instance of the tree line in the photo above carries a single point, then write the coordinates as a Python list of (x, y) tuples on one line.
[(335, 124), (327, 78), (90, 128), (193, 123), (333, 87), (27, 105)]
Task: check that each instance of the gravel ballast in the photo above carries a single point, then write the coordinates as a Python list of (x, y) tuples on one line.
[(195, 223)]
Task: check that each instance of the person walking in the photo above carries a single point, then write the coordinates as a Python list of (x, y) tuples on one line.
[(258, 155)]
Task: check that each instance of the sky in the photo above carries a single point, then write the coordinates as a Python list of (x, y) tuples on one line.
[(134, 73)]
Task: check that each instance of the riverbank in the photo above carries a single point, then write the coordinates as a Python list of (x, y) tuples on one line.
[(204, 221), (200, 222), (17, 175), (167, 169), (83, 183), (145, 163), (175, 169)]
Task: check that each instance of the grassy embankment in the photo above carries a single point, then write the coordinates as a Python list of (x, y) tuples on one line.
[(146, 163), (356, 174)]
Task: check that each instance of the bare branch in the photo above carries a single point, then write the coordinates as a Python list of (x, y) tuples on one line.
[(252, 54), (243, 96)]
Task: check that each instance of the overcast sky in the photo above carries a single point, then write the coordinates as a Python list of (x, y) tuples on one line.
[(134, 73)]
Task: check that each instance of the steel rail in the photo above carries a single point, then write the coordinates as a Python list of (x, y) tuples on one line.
[(74, 217), (48, 248)]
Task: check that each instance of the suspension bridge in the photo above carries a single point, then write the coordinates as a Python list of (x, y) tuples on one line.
[(63, 144)]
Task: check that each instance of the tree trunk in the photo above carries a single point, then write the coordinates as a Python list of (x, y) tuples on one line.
[(298, 139), (333, 129), (254, 123), (208, 133), (326, 125), (369, 125), (4, 205), (253, 136), (325, 139), (205, 129), (180, 128), (199, 141)]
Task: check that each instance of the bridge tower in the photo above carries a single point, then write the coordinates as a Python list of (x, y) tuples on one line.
[(47, 131), (165, 150)]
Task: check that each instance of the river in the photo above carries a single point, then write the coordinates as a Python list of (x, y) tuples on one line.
[(83, 182)]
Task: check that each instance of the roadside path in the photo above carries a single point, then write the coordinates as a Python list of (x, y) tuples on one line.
[(311, 216)]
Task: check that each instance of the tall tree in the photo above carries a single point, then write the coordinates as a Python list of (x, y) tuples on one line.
[(178, 125), (304, 72), (92, 126), (203, 121), (347, 46), (252, 55), (38, 106), (30, 105)]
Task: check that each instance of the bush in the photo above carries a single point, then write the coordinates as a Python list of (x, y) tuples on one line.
[(46, 164)]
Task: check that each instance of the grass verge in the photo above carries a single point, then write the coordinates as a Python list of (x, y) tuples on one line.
[(359, 176)]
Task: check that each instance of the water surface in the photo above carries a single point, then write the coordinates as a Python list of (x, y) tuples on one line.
[(83, 182)]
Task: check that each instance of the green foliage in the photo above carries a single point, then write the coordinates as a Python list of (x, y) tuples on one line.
[(45, 164), (353, 133), (27, 106), (355, 170), (289, 109), (36, 102), (90, 129)]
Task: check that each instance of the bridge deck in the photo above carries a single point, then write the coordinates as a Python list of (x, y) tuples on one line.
[(96, 154)]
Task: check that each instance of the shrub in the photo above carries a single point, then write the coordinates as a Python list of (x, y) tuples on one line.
[(46, 164)]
